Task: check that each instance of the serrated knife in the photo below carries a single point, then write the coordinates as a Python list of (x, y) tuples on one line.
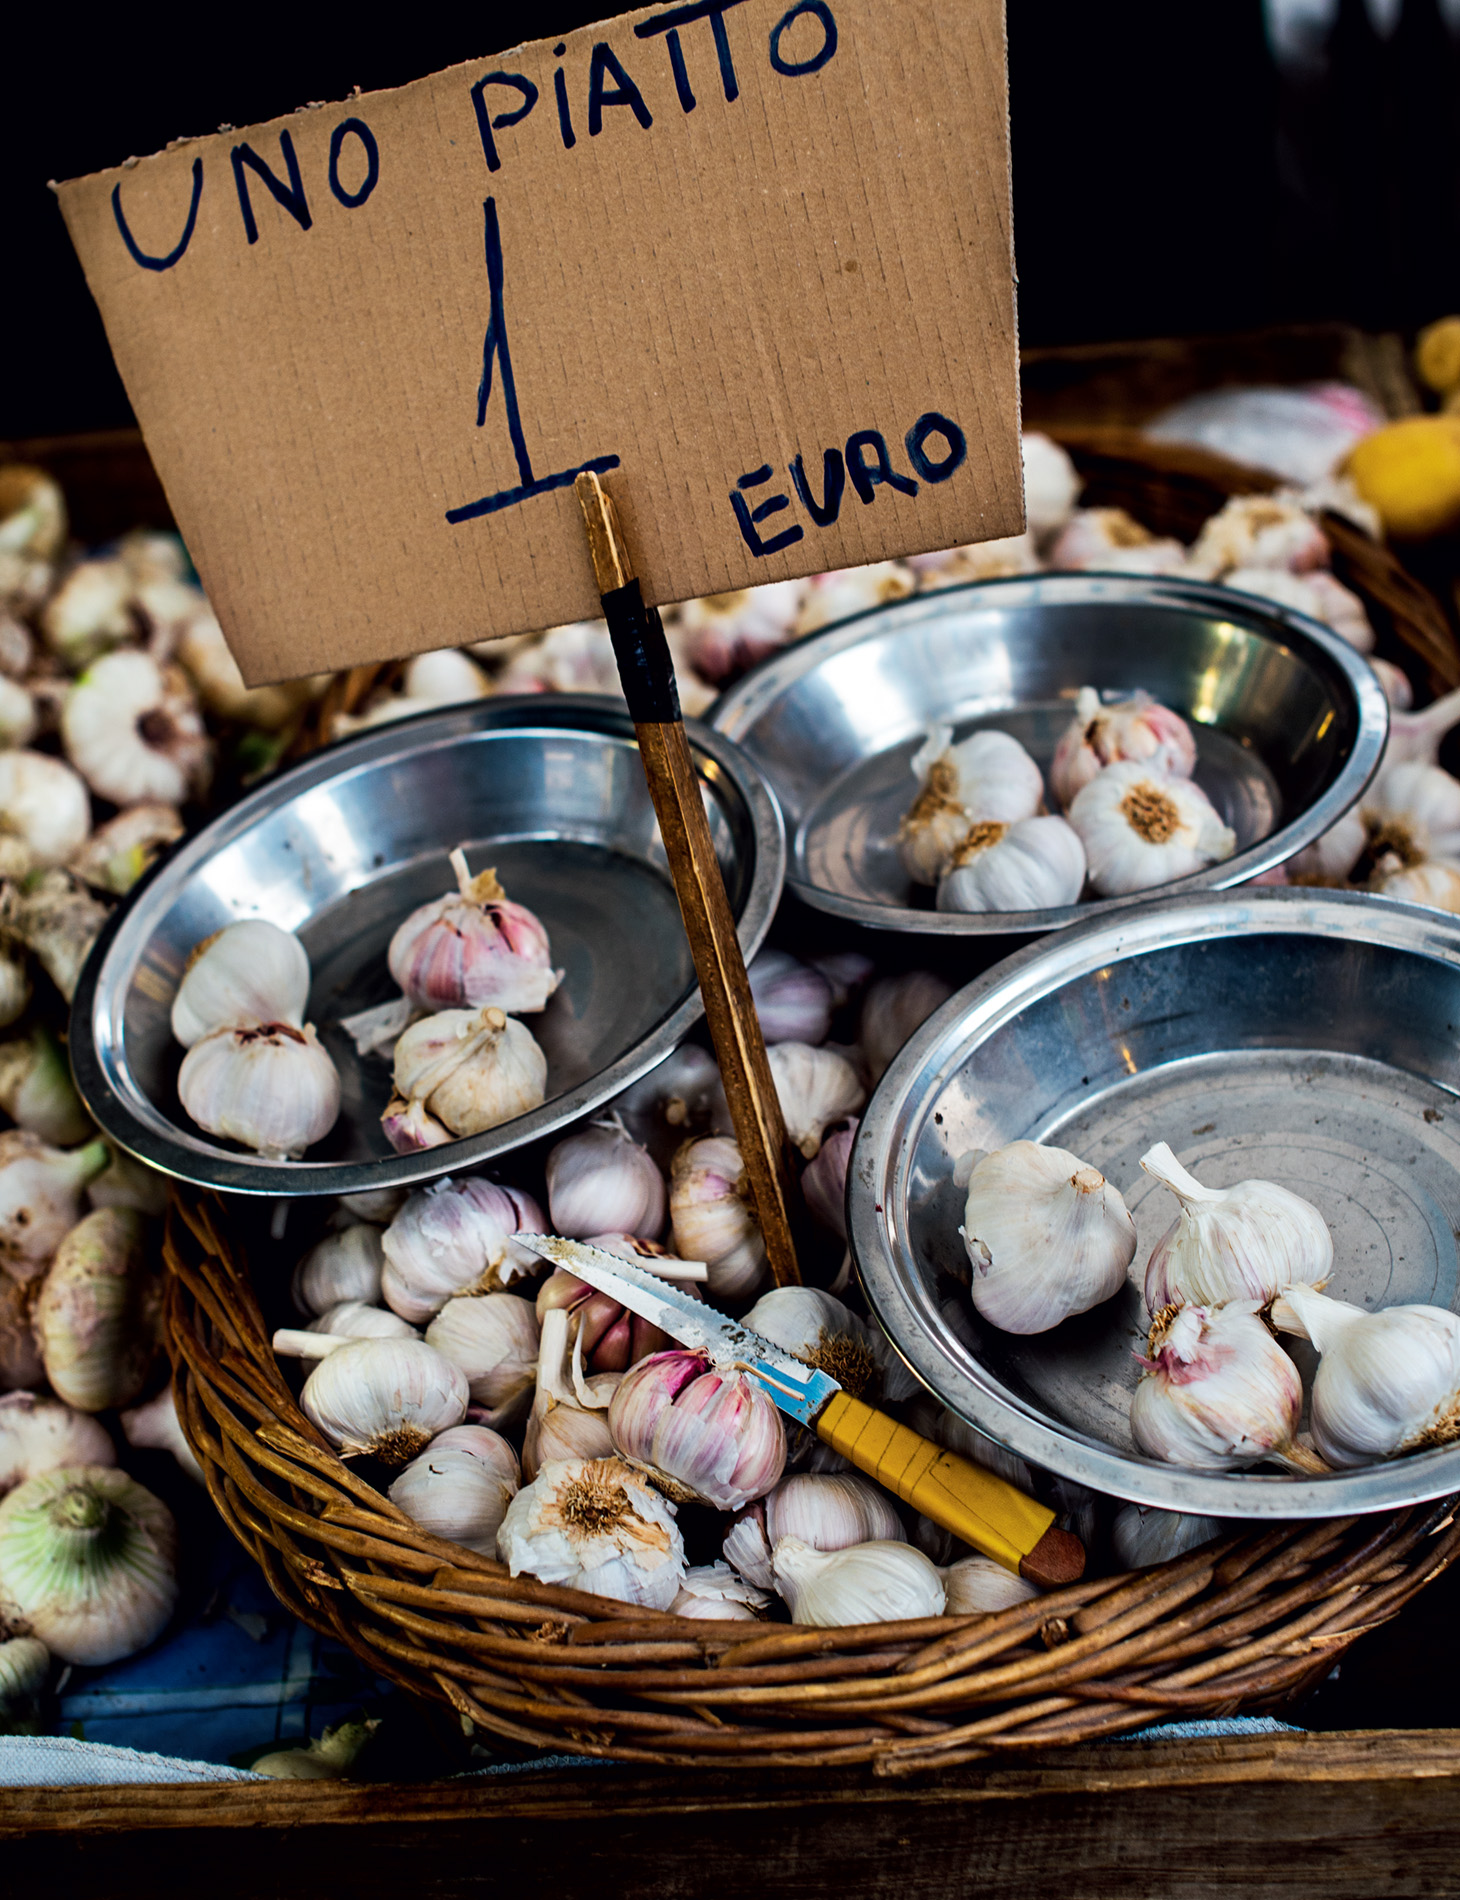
[(975, 1505)]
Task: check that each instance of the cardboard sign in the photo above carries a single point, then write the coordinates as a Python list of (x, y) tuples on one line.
[(749, 261)]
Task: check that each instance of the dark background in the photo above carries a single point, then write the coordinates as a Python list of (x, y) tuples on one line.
[(1170, 175)]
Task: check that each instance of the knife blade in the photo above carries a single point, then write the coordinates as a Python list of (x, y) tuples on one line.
[(964, 1498)]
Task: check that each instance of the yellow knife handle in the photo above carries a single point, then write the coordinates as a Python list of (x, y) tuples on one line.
[(961, 1496)]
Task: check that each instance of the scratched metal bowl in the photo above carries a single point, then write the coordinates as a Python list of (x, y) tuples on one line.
[(1302, 1036), (1289, 723), (550, 790)]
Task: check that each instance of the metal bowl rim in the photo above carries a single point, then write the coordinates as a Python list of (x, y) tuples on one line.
[(769, 678), (890, 1126), (197, 1161)]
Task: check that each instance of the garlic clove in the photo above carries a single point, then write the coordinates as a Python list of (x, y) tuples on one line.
[(1140, 827), (699, 1432), (714, 1593), (977, 1586), (270, 1086), (1217, 1392), (133, 731), (815, 1087), (42, 1434), (456, 1237), (410, 1128), (249, 972), (98, 1312), (1246, 1242), (1108, 540), (473, 948), (384, 1398), (44, 804), (1137, 729), (346, 1265), (1038, 864), (596, 1525), (875, 1582), (893, 1008), (1047, 1236), (599, 1180), (493, 1338), (460, 1486), (710, 1216), (792, 1000), (473, 1070)]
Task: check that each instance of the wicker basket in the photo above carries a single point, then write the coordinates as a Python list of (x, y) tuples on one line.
[(1250, 1620)]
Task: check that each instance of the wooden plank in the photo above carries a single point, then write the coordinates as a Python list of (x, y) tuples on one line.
[(1346, 1815)]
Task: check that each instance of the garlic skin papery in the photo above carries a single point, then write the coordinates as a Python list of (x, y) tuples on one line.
[(133, 731), (270, 1087), (699, 1432), (97, 1315), (713, 1593), (1246, 1242), (1258, 531), (460, 1487), (824, 1184), (710, 1216), (867, 1583), (43, 804), (456, 1237), (1038, 864), (41, 1434), (472, 1070), (1436, 886), (343, 1266), (892, 1009), (831, 1513), (1047, 1237), (354, 1319), (600, 1181), (493, 1338), (792, 1000), (816, 1087), (249, 972), (1141, 1536), (1413, 810), (726, 633), (598, 1525), (88, 1563), (977, 1586), (36, 1090), (679, 1098), (1110, 541), (155, 1427), (1218, 1393), (986, 778), (1137, 729), (473, 948), (818, 1328), (384, 1398), (1141, 828), (1387, 1383), (40, 1197), (569, 1417)]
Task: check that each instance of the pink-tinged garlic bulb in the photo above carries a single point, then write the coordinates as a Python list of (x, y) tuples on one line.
[(599, 1180), (410, 1128), (792, 1000), (824, 1184), (979, 561), (1137, 729), (726, 633), (699, 1432), (1108, 540), (609, 1338), (711, 1218), (892, 1009), (474, 948), (473, 1069), (1218, 1392), (456, 1237), (1259, 531), (714, 1594)]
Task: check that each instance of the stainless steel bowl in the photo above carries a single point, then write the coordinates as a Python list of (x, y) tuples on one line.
[(551, 791), (1305, 1037), (1290, 722)]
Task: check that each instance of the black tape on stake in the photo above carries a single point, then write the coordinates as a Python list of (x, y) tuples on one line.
[(645, 668)]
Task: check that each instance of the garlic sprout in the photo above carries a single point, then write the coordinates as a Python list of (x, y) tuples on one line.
[(596, 1525), (250, 972), (875, 1582)]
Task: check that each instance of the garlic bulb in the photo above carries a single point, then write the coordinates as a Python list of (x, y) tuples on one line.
[(57, 921), (97, 1315), (132, 730), (32, 512), (1246, 1242), (1110, 541), (1218, 1393), (1141, 1536), (600, 1180), (715, 1594), (875, 1582), (493, 1338), (818, 1328), (472, 1070), (204, 656), (384, 1398), (846, 972), (249, 972), (1316, 594), (155, 1426), (343, 1266), (824, 1184), (1417, 735), (17, 645), (830, 1513), (699, 1432), (456, 1237), (569, 1416), (36, 1090), (270, 1086), (87, 1563), (1413, 810), (678, 1098), (410, 1129), (14, 984), (1437, 886), (355, 1319), (25, 1663), (41, 1434), (90, 611), (446, 677), (792, 1000), (1332, 857), (1388, 1382), (815, 1087), (473, 948), (378, 1206), (124, 1182), (40, 1197), (1141, 828), (987, 778), (893, 1008), (18, 720), (460, 1486), (1038, 864), (327, 1758), (1047, 1236), (21, 1366), (597, 1525), (850, 590), (1258, 531), (726, 633), (1051, 485), (44, 804), (710, 1216), (1137, 730), (977, 1586), (117, 853), (977, 561)]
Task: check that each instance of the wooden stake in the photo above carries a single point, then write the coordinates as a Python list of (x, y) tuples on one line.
[(653, 699)]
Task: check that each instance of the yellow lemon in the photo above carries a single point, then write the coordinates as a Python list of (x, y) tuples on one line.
[(1437, 355), (1410, 472)]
